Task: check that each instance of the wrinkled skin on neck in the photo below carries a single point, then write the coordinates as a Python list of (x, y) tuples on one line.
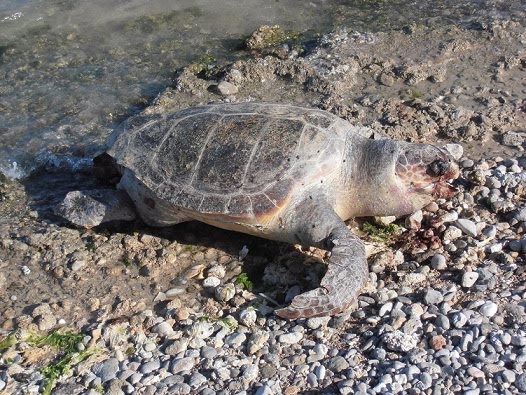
[(398, 178)]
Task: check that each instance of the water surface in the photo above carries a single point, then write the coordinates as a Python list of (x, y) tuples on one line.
[(70, 70)]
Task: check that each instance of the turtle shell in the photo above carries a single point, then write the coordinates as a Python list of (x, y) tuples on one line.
[(239, 160)]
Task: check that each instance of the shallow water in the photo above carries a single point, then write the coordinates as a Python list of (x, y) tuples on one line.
[(70, 70)]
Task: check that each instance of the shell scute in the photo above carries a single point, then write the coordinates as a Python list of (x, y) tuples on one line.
[(213, 204), (182, 147), (240, 205), (276, 153), (224, 159), (189, 199), (319, 118)]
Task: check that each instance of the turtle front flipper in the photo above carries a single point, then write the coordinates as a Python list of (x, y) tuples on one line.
[(346, 274)]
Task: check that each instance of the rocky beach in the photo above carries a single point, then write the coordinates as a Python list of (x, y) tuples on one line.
[(130, 309)]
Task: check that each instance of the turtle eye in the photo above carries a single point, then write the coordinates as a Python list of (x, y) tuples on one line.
[(438, 167)]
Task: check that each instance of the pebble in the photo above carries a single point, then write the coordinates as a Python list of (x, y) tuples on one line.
[(452, 233), (196, 380), (317, 322), (250, 372), (107, 370), (433, 296), (163, 329), (264, 390), (248, 317), (235, 339), (225, 293), (469, 279), (150, 366), (438, 262), (180, 365), (399, 341), (227, 88), (337, 364), (489, 309), (211, 282), (291, 338), (459, 319), (456, 150), (257, 341), (467, 226)]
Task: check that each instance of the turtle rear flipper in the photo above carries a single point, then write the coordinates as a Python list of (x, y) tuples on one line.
[(91, 208), (346, 274)]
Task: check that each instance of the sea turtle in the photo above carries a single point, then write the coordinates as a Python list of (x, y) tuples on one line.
[(277, 171)]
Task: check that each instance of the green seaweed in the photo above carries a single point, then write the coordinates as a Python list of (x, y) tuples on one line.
[(64, 341), (243, 282), (9, 341), (382, 234)]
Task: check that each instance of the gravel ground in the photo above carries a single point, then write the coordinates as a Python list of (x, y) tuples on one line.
[(169, 311)]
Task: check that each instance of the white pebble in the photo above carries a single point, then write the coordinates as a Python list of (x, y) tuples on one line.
[(291, 338), (467, 226), (211, 282), (248, 317), (452, 233), (438, 262), (489, 309), (469, 279)]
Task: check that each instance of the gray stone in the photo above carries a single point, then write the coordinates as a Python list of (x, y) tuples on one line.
[(489, 309), (456, 150), (320, 371), (519, 215), (264, 390), (235, 339), (467, 226), (250, 372), (226, 88), (208, 352), (469, 279), (185, 364), (135, 378), (77, 265), (150, 366), (519, 341), (106, 370), (248, 317), (291, 338), (512, 139), (399, 341), (337, 364), (317, 322), (452, 233), (520, 382), (257, 341), (459, 319), (149, 346), (509, 376), (433, 296), (163, 329), (438, 262), (196, 380), (515, 245), (211, 282)]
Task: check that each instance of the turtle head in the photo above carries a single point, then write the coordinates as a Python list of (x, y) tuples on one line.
[(424, 172)]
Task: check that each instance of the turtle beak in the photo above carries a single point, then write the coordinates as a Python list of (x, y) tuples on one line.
[(444, 190), (449, 171)]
